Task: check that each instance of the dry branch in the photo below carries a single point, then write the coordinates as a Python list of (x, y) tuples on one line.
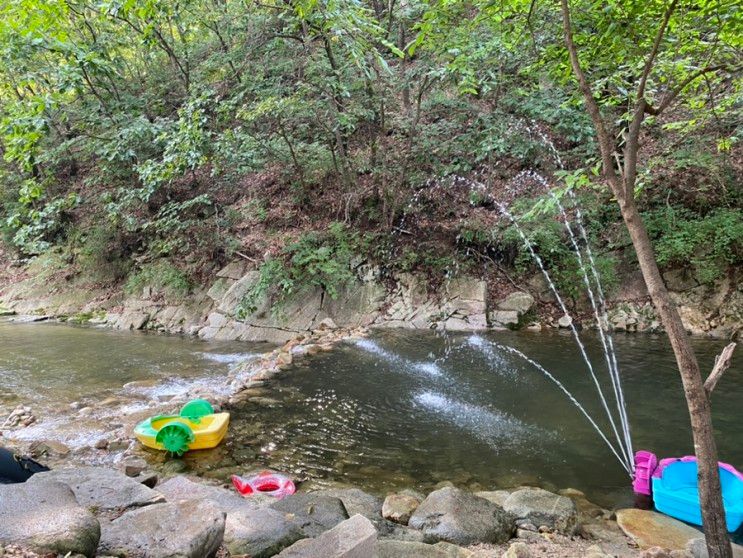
[(722, 362)]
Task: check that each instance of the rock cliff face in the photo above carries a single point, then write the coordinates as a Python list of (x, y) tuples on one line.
[(463, 303)]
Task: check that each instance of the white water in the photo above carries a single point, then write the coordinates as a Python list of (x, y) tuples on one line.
[(619, 424), (494, 427), (426, 368)]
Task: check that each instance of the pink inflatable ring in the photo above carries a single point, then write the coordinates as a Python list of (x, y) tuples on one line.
[(266, 482)]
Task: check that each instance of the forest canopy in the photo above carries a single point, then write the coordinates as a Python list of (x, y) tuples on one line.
[(137, 131)]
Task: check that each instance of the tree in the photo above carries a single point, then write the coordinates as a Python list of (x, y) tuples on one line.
[(619, 170), (635, 63)]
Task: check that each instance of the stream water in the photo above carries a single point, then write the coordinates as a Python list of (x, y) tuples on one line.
[(401, 409)]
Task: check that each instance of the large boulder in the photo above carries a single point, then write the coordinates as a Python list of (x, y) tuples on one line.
[(452, 515), (496, 496), (249, 527), (648, 529), (189, 529), (518, 302), (352, 538), (260, 532), (313, 513), (356, 501), (542, 508), (183, 488), (101, 488), (45, 517)]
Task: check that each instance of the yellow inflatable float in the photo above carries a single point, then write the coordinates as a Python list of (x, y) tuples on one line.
[(196, 427)]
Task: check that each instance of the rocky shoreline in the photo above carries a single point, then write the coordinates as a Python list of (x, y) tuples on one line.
[(98, 511), (107, 501), (462, 303)]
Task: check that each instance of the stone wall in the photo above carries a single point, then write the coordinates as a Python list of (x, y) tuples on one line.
[(405, 301)]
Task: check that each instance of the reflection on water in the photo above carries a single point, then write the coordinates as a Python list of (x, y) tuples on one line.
[(368, 414), (403, 409)]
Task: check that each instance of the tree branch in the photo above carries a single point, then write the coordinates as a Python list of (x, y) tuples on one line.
[(605, 140), (722, 362), (666, 102), (654, 52)]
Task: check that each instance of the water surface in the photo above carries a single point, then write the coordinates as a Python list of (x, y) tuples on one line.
[(404, 409), (400, 409)]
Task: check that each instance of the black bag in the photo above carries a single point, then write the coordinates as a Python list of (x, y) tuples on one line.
[(16, 468)]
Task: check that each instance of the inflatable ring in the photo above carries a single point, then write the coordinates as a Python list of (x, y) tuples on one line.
[(266, 482)]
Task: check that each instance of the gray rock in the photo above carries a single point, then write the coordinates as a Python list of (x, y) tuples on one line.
[(504, 317), (133, 466), (397, 532), (248, 529), (233, 270), (517, 302), (234, 295), (565, 321), (45, 517), (543, 508), (313, 513), (518, 550), (405, 549), (453, 551), (602, 530), (698, 549), (495, 496), (187, 530), (352, 538), (183, 488), (399, 507), (132, 320), (218, 289), (101, 488), (259, 532), (356, 501), (452, 515)]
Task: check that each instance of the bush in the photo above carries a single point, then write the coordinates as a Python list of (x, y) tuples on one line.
[(102, 254), (710, 243), (550, 242), (315, 260), (162, 276)]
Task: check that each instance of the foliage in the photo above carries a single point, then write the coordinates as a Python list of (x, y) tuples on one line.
[(710, 244), (101, 253), (155, 120), (316, 259), (161, 276)]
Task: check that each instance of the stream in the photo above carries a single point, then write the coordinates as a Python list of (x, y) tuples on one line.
[(398, 410)]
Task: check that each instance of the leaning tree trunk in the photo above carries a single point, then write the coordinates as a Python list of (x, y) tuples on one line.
[(697, 400)]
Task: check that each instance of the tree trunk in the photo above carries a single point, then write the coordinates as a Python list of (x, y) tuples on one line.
[(700, 412), (623, 187)]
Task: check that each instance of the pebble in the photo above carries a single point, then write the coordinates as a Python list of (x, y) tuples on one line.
[(133, 466)]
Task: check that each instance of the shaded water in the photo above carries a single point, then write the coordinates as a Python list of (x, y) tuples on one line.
[(402, 409), (396, 411)]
